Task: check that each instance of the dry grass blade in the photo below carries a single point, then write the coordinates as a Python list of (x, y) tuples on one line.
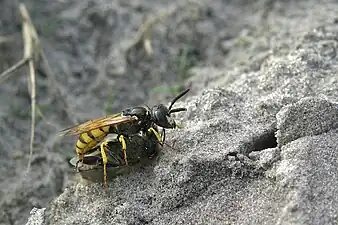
[(31, 52), (6, 73)]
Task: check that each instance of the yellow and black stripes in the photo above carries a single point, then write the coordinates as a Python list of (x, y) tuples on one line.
[(89, 140)]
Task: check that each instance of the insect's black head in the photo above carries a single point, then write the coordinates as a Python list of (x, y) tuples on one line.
[(160, 114), (161, 117)]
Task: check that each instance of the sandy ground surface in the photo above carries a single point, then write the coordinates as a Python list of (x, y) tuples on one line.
[(260, 141)]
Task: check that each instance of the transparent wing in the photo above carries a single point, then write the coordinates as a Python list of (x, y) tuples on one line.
[(97, 123)]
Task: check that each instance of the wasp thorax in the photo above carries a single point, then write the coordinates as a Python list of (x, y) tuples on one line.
[(161, 116), (140, 112)]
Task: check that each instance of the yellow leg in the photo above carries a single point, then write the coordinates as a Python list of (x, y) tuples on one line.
[(105, 161), (158, 136), (124, 148)]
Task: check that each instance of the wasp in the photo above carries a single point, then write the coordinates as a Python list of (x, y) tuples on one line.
[(140, 149), (131, 121)]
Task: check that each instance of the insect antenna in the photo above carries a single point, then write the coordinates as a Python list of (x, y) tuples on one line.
[(147, 107), (178, 97), (177, 110), (163, 135)]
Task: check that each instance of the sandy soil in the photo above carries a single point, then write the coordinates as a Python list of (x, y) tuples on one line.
[(98, 69)]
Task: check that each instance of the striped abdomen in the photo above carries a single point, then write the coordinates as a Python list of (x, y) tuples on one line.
[(90, 139)]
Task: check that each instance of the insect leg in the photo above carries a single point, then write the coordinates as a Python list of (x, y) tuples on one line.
[(124, 148), (163, 135), (77, 165), (105, 161), (158, 136)]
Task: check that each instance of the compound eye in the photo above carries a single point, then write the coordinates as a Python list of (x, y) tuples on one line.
[(162, 119), (161, 116)]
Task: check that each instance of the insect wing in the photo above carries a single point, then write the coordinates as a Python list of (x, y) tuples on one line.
[(97, 123)]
